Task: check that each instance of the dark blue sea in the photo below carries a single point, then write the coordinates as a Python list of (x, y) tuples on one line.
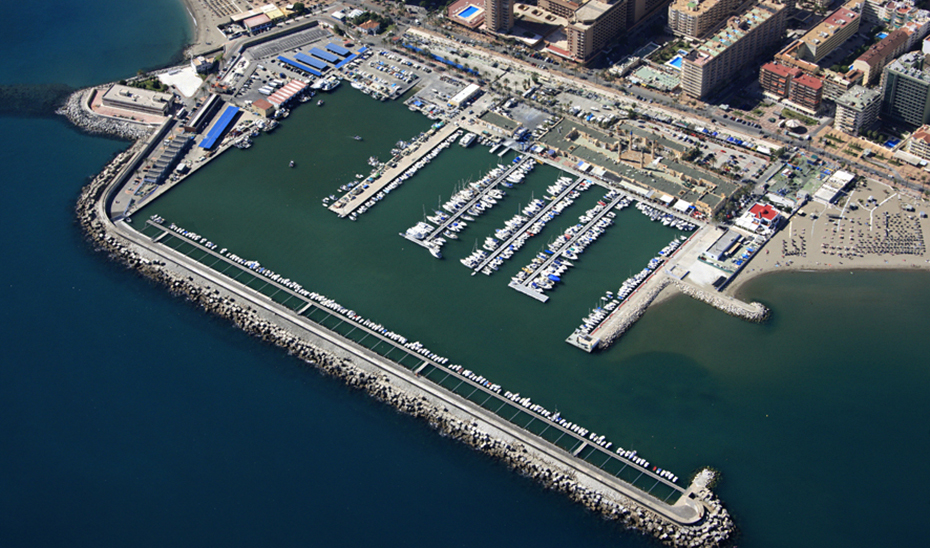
[(129, 417)]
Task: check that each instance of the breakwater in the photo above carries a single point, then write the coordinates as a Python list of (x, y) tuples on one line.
[(753, 312), (445, 412), (75, 109), (629, 316)]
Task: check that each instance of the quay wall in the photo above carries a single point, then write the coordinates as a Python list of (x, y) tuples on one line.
[(448, 414)]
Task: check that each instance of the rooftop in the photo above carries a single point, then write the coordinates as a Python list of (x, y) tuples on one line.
[(858, 97), (590, 11), (922, 134), (260, 19), (735, 29), (262, 104), (910, 65), (809, 81), (694, 6), (781, 70), (837, 21), (766, 212), (884, 48), (142, 97)]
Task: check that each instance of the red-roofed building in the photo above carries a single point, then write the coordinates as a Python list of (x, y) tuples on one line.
[(876, 57), (919, 143), (258, 23), (263, 107), (776, 79), (761, 219), (371, 26), (806, 91)]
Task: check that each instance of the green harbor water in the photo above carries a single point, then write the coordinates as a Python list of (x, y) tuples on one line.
[(816, 418)]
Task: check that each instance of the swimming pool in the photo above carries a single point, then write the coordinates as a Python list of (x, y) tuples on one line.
[(675, 62), (468, 12), (882, 35)]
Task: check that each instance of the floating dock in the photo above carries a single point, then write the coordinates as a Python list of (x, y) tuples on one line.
[(526, 226), (524, 286), (454, 217)]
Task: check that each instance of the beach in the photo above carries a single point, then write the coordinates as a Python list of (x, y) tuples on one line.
[(205, 16), (886, 232)]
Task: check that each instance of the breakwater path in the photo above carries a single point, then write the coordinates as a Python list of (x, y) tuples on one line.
[(414, 388)]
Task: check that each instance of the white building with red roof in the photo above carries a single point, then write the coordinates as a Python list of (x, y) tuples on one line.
[(760, 219)]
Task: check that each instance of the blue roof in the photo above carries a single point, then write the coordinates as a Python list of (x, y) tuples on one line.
[(219, 127), (346, 61), (300, 66), (337, 49), (315, 63), (363, 50), (324, 55)]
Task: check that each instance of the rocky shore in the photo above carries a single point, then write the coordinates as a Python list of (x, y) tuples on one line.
[(757, 312), (715, 529), (76, 111)]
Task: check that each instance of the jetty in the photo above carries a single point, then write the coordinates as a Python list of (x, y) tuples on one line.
[(349, 203), (526, 226), (526, 285), (454, 217), (672, 275)]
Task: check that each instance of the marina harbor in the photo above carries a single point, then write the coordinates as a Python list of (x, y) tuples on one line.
[(519, 182), (595, 274)]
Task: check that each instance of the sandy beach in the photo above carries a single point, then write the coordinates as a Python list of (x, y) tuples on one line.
[(884, 232), (206, 16)]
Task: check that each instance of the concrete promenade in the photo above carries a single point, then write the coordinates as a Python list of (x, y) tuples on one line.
[(684, 512), (391, 173), (477, 386)]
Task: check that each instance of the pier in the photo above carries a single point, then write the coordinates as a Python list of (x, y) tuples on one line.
[(392, 172), (455, 216), (524, 286), (525, 228), (672, 272)]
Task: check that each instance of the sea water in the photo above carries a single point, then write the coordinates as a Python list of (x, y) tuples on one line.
[(128, 416)]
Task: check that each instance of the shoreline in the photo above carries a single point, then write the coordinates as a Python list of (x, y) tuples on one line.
[(737, 289), (198, 24)]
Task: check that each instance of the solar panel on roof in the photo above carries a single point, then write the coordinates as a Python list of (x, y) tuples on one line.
[(219, 127), (300, 66), (346, 61), (324, 55), (337, 49), (315, 63)]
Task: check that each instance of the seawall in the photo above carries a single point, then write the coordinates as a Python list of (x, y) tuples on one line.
[(753, 312), (76, 110), (450, 415)]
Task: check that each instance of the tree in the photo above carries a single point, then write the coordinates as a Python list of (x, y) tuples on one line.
[(299, 8)]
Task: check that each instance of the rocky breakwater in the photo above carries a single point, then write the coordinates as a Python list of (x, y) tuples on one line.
[(398, 390), (753, 312), (629, 314), (76, 110)]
